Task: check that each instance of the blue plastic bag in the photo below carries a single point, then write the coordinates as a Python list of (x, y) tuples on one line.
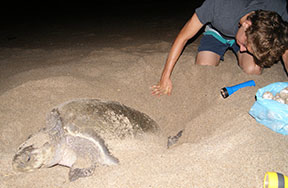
[(270, 113)]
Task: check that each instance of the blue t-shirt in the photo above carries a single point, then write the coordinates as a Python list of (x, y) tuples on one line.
[(224, 15)]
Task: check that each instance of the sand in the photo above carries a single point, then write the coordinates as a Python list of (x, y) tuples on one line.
[(120, 59)]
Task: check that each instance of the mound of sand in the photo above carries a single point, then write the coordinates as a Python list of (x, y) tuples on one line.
[(222, 145)]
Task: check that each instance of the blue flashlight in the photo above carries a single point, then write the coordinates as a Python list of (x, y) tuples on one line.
[(227, 91)]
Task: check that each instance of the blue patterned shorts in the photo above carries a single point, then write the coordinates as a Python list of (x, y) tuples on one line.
[(217, 44)]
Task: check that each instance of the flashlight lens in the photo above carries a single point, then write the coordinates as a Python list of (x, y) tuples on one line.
[(224, 92)]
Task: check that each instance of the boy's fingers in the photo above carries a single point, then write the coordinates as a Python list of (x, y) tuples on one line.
[(158, 90), (154, 87), (155, 90)]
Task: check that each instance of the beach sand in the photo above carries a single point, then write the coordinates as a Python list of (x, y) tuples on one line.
[(119, 60)]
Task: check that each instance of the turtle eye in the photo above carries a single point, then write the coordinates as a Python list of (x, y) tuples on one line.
[(30, 136), (28, 158), (27, 154)]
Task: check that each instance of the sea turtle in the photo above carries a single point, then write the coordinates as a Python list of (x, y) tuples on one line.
[(74, 136)]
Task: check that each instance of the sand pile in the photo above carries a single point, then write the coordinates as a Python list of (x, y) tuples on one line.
[(221, 146)]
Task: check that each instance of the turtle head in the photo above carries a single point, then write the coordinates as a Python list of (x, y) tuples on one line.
[(27, 159), (34, 153)]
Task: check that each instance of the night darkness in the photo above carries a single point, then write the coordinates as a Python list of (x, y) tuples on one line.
[(20, 19), (49, 10)]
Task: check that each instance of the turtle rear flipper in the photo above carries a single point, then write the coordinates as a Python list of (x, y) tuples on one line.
[(174, 139)]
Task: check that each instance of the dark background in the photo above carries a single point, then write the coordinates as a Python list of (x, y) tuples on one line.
[(47, 23), (37, 12)]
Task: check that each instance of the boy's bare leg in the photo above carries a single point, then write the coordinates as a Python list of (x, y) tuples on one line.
[(207, 58), (246, 62)]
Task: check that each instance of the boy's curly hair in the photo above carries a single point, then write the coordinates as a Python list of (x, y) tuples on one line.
[(268, 37)]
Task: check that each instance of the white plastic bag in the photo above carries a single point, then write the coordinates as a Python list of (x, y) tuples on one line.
[(270, 113)]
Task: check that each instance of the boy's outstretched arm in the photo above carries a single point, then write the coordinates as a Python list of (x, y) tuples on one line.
[(189, 30)]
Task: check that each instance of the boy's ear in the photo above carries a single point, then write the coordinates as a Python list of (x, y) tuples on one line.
[(246, 24)]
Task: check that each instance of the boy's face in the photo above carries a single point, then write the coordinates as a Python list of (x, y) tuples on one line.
[(241, 37)]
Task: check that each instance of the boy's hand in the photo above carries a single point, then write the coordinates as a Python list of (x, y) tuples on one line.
[(163, 88)]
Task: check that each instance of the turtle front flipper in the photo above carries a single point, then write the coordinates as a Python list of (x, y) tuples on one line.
[(103, 154), (76, 173), (88, 142), (54, 126), (89, 150)]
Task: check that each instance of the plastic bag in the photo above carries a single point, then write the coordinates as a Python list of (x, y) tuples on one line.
[(270, 113)]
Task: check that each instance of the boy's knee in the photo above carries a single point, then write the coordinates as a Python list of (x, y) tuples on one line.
[(207, 58), (246, 62), (252, 70), (206, 63)]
